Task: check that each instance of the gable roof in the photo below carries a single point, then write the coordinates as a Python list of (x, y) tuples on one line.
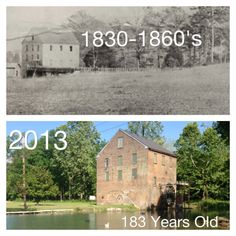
[(43, 35), (149, 144)]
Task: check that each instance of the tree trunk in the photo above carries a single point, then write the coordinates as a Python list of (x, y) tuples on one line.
[(24, 181), (69, 189), (212, 35)]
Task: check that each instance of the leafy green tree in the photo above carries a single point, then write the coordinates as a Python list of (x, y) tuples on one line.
[(202, 161), (223, 129), (147, 129), (40, 185), (78, 162)]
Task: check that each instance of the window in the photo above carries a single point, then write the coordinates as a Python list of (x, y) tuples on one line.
[(119, 160), (107, 175), (119, 174), (71, 48), (50, 47), (38, 48), (163, 160), (134, 158), (61, 47), (106, 163), (32, 57), (155, 158), (26, 48), (26, 57), (134, 173), (120, 142), (32, 37), (32, 48), (154, 181), (37, 56)]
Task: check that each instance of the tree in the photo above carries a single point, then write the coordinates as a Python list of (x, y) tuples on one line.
[(77, 163), (79, 23), (148, 129), (40, 185), (100, 57), (212, 24), (223, 129), (173, 58), (202, 161)]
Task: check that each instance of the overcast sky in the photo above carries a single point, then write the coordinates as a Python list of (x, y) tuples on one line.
[(21, 19)]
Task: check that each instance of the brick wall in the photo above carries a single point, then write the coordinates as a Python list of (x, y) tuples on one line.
[(140, 191)]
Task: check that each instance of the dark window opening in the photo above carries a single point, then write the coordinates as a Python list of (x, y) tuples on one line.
[(119, 174), (107, 175), (106, 163), (134, 173), (119, 161), (134, 158), (155, 158), (120, 142), (154, 181)]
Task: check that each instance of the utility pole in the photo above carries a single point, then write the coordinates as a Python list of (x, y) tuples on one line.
[(23, 173)]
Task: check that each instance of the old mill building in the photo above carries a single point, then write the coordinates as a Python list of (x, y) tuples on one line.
[(134, 170), (51, 52)]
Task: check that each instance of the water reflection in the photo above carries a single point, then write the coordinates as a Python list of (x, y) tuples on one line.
[(113, 220)]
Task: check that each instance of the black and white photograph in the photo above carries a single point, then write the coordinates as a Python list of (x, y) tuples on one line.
[(118, 60)]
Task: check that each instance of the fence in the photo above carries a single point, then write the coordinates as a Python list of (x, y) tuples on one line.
[(103, 69)]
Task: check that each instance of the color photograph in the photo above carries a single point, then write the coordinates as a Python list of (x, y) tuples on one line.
[(171, 175)]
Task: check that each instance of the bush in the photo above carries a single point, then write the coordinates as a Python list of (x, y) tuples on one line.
[(211, 204), (174, 58)]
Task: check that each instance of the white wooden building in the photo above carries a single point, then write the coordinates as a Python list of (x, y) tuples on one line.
[(49, 52)]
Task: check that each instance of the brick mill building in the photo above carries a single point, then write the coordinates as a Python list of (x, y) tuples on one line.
[(45, 51), (133, 170)]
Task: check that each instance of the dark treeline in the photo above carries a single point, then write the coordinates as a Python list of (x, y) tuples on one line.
[(212, 23)]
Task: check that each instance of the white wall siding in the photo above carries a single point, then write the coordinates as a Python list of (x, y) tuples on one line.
[(57, 58)]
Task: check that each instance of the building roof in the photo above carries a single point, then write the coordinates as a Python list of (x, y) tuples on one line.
[(149, 144), (43, 35)]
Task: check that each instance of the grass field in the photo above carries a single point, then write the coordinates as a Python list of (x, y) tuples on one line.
[(57, 205), (198, 90)]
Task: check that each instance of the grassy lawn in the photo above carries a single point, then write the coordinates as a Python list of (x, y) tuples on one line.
[(197, 90), (53, 205)]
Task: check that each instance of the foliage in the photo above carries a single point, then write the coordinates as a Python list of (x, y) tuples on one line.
[(173, 58), (40, 185), (203, 160), (53, 174), (211, 22), (223, 128), (100, 57), (211, 204), (147, 129)]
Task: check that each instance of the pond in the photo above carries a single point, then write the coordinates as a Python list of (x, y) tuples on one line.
[(171, 219)]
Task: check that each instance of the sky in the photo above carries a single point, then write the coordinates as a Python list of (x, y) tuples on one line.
[(172, 129), (21, 19)]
